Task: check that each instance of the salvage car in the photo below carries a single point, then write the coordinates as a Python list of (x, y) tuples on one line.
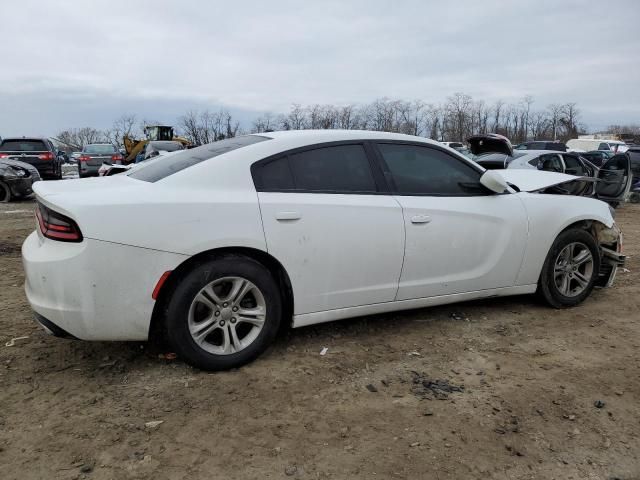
[(614, 176), (38, 152), (222, 244), (16, 179)]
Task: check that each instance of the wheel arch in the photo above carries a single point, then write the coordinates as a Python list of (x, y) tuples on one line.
[(156, 327)]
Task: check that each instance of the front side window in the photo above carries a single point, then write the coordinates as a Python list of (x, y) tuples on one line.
[(604, 146), (418, 170)]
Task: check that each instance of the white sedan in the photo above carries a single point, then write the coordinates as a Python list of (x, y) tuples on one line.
[(217, 246)]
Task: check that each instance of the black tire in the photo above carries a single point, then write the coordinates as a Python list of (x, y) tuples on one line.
[(191, 284), (5, 193), (548, 290)]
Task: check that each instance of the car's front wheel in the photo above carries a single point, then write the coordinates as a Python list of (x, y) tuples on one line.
[(570, 269), (224, 313)]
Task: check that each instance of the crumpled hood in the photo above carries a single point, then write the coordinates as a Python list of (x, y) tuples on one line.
[(534, 180)]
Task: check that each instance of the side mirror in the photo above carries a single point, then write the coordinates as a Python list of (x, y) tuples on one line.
[(494, 182)]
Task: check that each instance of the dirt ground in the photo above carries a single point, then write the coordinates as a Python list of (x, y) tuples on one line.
[(384, 402)]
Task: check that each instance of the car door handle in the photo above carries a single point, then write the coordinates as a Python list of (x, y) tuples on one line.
[(420, 219), (288, 216)]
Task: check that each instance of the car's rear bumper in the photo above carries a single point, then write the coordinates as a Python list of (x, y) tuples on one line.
[(93, 290), (85, 169)]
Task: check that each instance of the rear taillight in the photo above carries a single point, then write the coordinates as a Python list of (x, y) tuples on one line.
[(46, 156), (84, 158), (3, 155), (117, 157), (56, 226)]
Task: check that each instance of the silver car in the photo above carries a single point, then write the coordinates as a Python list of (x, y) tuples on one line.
[(93, 155)]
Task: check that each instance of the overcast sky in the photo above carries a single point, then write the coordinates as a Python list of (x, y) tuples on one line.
[(77, 63)]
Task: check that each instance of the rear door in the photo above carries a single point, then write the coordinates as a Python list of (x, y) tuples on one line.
[(615, 178), (327, 218), (459, 237)]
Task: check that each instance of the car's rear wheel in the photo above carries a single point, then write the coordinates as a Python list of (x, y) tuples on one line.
[(224, 313), (5, 192), (570, 269)]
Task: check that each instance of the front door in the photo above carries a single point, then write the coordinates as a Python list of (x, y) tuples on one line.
[(459, 237), (615, 178)]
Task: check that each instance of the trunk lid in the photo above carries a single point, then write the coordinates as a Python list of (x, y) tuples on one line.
[(490, 143)]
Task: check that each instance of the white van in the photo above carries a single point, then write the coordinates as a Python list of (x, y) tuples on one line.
[(589, 144)]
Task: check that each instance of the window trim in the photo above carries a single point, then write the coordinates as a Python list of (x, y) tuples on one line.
[(388, 176), (378, 178)]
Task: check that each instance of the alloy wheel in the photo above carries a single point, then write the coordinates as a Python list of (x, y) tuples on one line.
[(573, 269), (227, 315)]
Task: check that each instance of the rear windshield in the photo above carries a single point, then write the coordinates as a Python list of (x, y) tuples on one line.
[(99, 149), (167, 146), (23, 146), (166, 166)]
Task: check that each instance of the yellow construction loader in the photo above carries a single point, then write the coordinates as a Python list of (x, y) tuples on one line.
[(152, 133)]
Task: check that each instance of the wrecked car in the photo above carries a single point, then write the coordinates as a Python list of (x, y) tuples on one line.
[(610, 182), (224, 243), (16, 179)]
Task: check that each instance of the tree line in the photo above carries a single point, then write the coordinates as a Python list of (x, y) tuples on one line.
[(455, 119)]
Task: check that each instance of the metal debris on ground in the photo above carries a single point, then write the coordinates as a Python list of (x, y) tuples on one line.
[(458, 316), (425, 387), (324, 351), (599, 404), (12, 342), (154, 423)]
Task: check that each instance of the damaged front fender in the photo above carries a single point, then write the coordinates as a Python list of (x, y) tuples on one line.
[(611, 257)]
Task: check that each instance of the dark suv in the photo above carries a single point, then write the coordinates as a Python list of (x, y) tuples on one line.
[(542, 145), (39, 152)]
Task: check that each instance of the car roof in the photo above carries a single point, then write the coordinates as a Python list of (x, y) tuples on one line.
[(306, 137)]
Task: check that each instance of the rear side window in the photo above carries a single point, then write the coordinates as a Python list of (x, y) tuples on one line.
[(336, 169), (168, 165), (604, 146), (420, 170), (551, 163), (343, 168), (23, 146)]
